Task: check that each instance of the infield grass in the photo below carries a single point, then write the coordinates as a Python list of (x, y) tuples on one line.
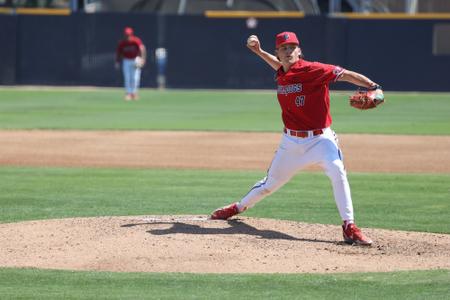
[(406, 202), (403, 113), (46, 284)]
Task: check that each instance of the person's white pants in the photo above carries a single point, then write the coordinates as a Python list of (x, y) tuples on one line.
[(131, 75), (293, 155)]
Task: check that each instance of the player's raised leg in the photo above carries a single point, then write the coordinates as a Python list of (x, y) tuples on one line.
[(259, 191), (281, 171)]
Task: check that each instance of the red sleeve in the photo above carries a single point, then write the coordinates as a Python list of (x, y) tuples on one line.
[(327, 73)]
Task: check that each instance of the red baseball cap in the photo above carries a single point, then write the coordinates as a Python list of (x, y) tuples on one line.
[(286, 38), (128, 31)]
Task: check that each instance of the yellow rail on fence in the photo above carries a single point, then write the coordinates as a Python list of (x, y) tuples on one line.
[(418, 16), (35, 11), (254, 14)]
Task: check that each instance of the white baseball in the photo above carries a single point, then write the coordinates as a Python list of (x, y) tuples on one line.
[(252, 40)]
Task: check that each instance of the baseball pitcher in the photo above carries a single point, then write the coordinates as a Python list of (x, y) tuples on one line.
[(303, 94)]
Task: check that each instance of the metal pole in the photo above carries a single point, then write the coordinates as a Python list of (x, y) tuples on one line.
[(74, 5), (411, 6), (161, 52), (316, 8), (182, 7), (366, 6), (334, 6)]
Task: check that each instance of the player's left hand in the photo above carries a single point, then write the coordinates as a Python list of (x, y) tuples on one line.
[(367, 99)]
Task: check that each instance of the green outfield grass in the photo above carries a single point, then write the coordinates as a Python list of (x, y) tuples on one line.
[(403, 113), (42, 284)]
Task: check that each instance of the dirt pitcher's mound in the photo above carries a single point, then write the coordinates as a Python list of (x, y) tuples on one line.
[(196, 244)]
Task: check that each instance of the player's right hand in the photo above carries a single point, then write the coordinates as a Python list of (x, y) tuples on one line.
[(253, 43), (117, 66)]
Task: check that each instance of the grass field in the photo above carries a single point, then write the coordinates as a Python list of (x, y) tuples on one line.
[(42, 284), (410, 113), (40, 193), (401, 201)]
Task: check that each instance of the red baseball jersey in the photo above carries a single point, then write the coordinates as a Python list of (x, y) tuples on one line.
[(129, 48), (303, 94)]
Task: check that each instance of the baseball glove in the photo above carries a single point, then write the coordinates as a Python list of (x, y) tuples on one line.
[(367, 99)]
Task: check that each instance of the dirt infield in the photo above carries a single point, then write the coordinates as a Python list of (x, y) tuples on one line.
[(212, 150), (244, 245)]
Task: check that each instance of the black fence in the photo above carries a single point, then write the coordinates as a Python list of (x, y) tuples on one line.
[(210, 53)]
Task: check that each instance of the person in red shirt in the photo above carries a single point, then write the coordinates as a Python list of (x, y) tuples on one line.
[(303, 95), (131, 53)]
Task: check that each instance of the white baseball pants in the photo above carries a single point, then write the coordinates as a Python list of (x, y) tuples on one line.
[(293, 155), (131, 75)]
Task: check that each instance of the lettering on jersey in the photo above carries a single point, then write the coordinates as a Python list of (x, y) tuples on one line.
[(300, 101), (290, 89)]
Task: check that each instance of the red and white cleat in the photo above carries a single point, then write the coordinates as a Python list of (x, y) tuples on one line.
[(353, 235), (225, 212)]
